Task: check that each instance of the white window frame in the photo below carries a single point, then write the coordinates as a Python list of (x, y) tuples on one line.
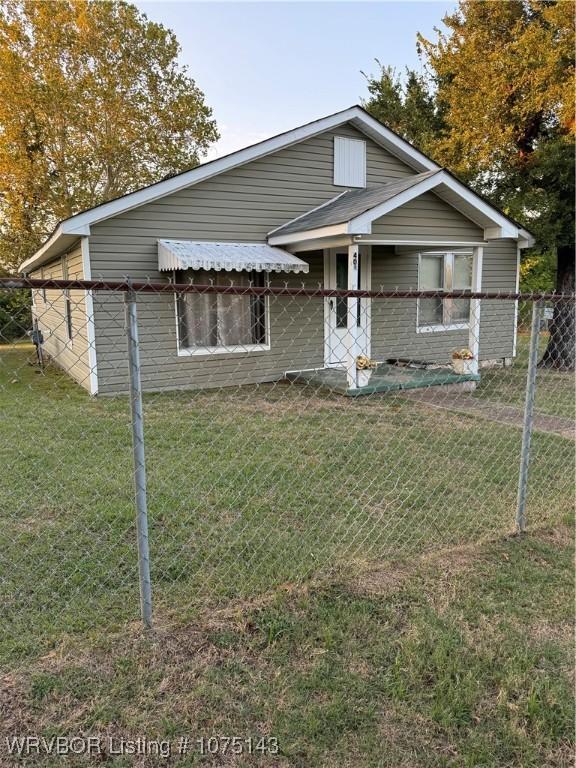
[(448, 274), (233, 349), (343, 145)]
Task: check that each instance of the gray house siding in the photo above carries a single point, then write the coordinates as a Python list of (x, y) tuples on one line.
[(241, 205), (394, 329), (427, 217), (296, 337), (498, 318), (69, 354)]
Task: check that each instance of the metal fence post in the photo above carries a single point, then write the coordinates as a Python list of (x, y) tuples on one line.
[(137, 419), (528, 416)]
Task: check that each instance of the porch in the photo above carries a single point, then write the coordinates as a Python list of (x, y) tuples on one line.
[(385, 378)]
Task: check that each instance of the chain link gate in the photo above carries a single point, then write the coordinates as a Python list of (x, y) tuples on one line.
[(248, 437)]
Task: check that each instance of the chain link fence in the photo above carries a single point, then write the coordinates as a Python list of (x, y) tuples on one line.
[(247, 437)]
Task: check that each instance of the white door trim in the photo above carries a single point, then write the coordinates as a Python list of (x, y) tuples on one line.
[(365, 284)]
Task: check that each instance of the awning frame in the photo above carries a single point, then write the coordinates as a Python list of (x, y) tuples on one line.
[(226, 256)]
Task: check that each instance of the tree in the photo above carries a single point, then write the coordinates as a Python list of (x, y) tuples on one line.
[(93, 104), (407, 106), (504, 74)]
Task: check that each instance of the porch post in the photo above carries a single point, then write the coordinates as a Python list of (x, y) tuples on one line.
[(474, 328), (352, 346)]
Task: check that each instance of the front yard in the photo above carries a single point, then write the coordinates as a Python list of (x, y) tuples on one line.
[(457, 660), (296, 586), (555, 395)]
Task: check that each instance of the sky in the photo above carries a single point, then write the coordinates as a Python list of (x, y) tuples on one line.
[(267, 67)]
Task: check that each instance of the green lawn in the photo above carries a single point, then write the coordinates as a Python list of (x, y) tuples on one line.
[(555, 390), (335, 572), (249, 488), (462, 659)]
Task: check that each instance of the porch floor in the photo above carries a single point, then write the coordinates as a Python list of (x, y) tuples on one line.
[(384, 378)]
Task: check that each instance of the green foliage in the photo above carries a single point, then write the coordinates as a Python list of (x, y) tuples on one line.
[(504, 73), (537, 272), (15, 315), (541, 194), (497, 108), (93, 104), (406, 105)]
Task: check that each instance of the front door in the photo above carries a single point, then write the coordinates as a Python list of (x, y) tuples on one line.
[(336, 276)]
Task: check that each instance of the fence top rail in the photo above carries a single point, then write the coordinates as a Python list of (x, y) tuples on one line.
[(147, 286)]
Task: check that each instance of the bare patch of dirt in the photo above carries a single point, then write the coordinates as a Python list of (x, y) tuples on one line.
[(385, 578)]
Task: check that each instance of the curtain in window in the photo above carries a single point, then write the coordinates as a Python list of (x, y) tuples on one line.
[(234, 317), (197, 315), (225, 320)]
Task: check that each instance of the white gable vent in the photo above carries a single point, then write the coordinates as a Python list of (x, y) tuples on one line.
[(349, 162)]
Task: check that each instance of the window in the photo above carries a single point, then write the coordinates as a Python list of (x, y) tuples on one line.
[(342, 284), (349, 162), (444, 272), (220, 322)]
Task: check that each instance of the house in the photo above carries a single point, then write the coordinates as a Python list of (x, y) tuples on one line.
[(340, 202)]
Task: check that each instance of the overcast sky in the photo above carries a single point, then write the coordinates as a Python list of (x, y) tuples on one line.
[(267, 67)]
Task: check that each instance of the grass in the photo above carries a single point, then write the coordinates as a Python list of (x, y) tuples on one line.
[(461, 659), (331, 572), (555, 391), (249, 488)]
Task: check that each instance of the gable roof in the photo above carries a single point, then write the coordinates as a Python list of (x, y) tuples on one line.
[(353, 212), (349, 204), (69, 230)]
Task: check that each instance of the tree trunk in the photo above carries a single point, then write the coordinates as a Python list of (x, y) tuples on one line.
[(561, 350)]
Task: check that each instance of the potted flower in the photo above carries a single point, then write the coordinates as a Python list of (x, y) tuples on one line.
[(463, 361), (364, 368)]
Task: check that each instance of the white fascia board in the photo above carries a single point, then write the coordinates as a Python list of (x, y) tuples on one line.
[(79, 225), (497, 233), (355, 115), (525, 240), (394, 143), (90, 327), (496, 225), (58, 242), (320, 244), (428, 243), (497, 219), (334, 230)]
